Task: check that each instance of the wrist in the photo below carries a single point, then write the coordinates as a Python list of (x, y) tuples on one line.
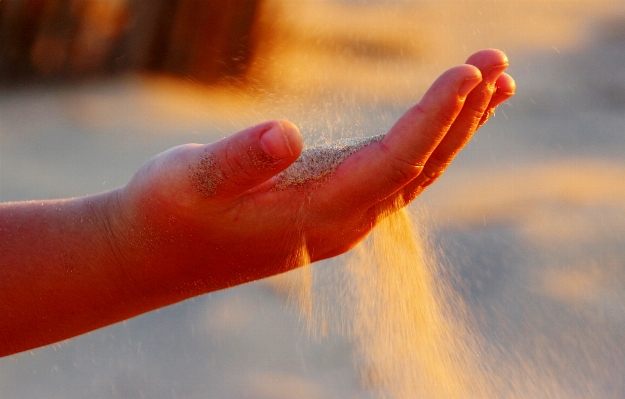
[(144, 245)]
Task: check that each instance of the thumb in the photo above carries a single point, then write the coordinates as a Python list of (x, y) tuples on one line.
[(238, 163)]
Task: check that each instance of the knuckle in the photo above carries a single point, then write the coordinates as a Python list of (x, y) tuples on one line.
[(432, 171), (403, 171), (442, 119), (476, 115), (236, 165), (431, 177), (482, 104), (437, 165)]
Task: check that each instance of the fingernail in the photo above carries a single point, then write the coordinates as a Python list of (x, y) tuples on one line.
[(495, 73), (275, 142), (468, 85)]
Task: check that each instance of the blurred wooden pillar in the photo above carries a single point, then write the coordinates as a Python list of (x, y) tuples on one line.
[(19, 25), (208, 40), (59, 38)]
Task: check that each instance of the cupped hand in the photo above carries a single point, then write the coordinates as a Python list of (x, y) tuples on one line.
[(198, 218)]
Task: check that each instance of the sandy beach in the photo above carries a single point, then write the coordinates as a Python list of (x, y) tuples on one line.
[(531, 216)]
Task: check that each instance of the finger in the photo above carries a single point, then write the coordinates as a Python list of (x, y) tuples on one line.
[(492, 64), (505, 87), (238, 163), (418, 132), (383, 167)]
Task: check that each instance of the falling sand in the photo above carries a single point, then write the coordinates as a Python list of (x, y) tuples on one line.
[(402, 317), (412, 334), (405, 322)]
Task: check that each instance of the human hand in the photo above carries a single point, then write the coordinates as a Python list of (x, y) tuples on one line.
[(198, 218)]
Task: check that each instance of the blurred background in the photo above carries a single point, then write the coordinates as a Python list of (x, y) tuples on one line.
[(531, 216)]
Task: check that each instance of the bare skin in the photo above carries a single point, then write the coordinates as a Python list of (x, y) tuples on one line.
[(177, 230)]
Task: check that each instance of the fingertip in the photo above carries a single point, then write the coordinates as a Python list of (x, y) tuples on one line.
[(464, 71), (459, 80), (489, 56), (506, 84), (294, 137), (281, 140), (472, 79), (465, 77)]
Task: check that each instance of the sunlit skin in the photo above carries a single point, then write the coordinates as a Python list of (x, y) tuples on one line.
[(71, 266)]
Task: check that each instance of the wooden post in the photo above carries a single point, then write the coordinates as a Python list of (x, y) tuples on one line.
[(208, 40)]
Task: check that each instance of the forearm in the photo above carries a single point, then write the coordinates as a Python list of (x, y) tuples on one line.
[(61, 271)]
